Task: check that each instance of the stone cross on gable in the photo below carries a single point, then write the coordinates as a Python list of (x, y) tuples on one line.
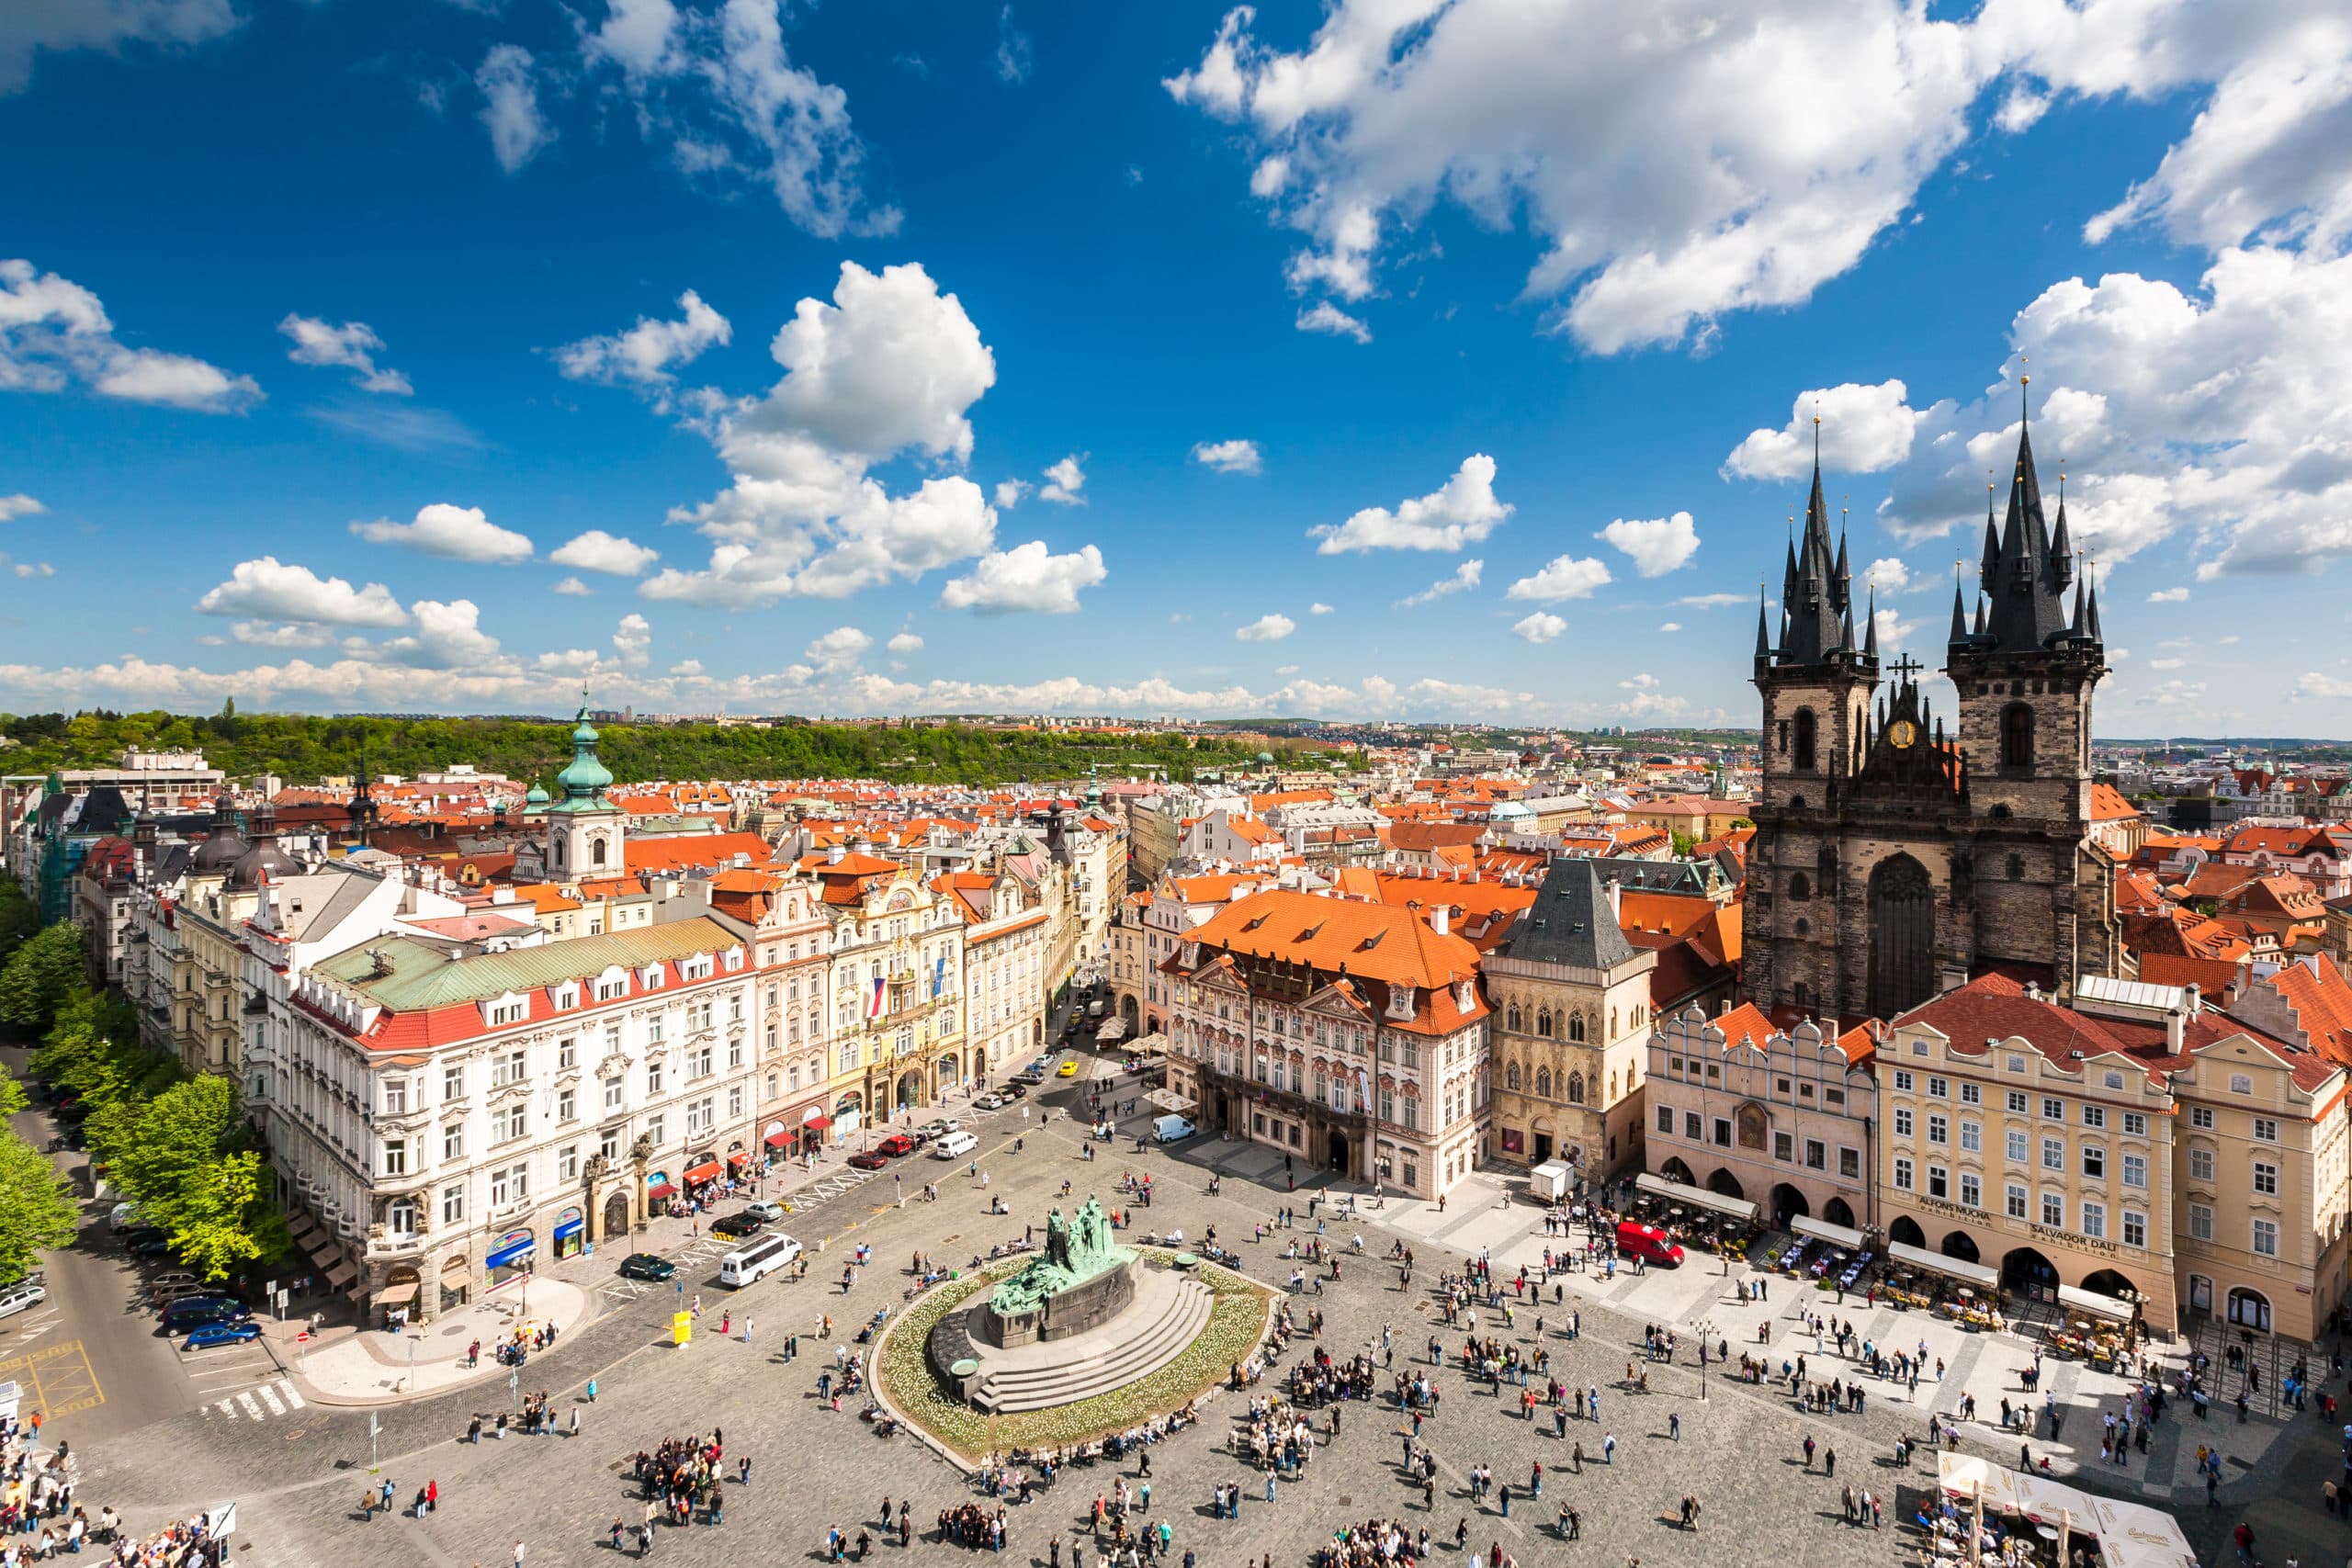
[(1905, 668)]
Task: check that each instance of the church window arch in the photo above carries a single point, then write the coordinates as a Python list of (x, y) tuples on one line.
[(1543, 1082), (1576, 1088), (1510, 1078), (1803, 926), (1516, 1025), (597, 851), (1800, 887), (1612, 1024), (1807, 743), (2017, 868), (2017, 736), (1800, 994), (1543, 1022), (1612, 1088), (1576, 1027)]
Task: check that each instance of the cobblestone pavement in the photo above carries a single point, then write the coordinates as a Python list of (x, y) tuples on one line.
[(298, 1480)]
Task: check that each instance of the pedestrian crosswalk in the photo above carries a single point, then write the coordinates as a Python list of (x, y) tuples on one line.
[(261, 1401)]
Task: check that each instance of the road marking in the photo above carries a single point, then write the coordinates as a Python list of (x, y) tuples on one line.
[(228, 1407), (252, 1407), (61, 1377), (287, 1388), (269, 1397)]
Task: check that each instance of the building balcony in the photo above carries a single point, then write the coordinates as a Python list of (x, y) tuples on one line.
[(1280, 1099)]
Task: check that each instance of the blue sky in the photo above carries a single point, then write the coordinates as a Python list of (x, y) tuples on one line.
[(1150, 359)]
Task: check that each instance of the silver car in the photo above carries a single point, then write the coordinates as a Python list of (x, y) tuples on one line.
[(16, 1298)]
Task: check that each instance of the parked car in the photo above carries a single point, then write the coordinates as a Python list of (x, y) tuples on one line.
[(740, 1222), (647, 1266), (1069, 1069), (214, 1335), (1013, 1089), (124, 1216), (16, 1298), (956, 1146), (170, 1280), (868, 1160), (1647, 1243), (191, 1313), (149, 1242), (767, 1211), (989, 1101), (896, 1145), (938, 1129)]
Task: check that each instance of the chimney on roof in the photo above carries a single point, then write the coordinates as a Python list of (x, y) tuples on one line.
[(1617, 900), (1437, 918)]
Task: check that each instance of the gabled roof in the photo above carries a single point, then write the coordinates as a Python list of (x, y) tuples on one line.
[(1571, 923), (419, 976)]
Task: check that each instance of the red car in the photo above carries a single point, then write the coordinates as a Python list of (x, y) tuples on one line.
[(897, 1143), (868, 1161)]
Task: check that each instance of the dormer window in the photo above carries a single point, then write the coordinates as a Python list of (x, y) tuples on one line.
[(502, 1010), (651, 977), (1400, 1001), (564, 996)]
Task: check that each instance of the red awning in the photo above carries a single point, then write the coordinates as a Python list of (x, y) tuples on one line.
[(708, 1170), (667, 1190), (779, 1140), (817, 1124), (739, 1156)]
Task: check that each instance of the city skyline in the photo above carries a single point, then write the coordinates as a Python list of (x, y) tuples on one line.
[(743, 361)]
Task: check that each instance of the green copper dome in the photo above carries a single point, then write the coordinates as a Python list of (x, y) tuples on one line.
[(536, 795), (585, 779)]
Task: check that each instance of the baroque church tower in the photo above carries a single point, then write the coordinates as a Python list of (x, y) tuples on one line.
[(1892, 860)]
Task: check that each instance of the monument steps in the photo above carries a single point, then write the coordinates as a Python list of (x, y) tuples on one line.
[(1177, 1315)]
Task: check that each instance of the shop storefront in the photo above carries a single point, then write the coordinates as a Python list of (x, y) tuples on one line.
[(658, 1190), (570, 1233), (512, 1257), (700, 1177), (456, 1280), (848, 1114)]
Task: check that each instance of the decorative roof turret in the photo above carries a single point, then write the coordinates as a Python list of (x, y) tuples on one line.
[(224, 845), (1816, 597), (584, 778), (2025, 581)]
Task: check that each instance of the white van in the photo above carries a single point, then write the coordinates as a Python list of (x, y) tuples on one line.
[(1173, 1129), (762, 1256), (954, 1145)]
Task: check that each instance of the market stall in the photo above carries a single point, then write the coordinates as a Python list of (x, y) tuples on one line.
[(1694, 1214), (2102, 1329), (1985, 1513)]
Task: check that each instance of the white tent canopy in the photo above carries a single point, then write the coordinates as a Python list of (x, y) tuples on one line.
[(2130, 1535), (1976, 1274), (1822, 1230), (1700, 1197), (2096, 1304)]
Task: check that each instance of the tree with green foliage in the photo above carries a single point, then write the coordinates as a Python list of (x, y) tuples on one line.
[(36, 1207), (19, 918), (223, 1219), (42, 975), (174, 1136)]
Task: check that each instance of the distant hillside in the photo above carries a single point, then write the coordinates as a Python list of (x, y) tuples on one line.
[(302, 748)]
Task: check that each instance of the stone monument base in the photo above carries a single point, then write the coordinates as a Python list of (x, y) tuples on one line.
[(1162, 1312), (1084, 1306)]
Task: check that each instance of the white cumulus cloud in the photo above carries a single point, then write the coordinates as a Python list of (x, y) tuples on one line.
[(509, 106), (19, 505), (2168, 596), (352, 345), (1863, 429), (573, 588), (837, 650), (1655, 545), (1266, 628), (645, 355), (1563, 577), (1464, 512), (596, 550), (54, 333), (1327, 318), (263, 588), (456, 533), (1025, 578), (1540, 627), (1319, 608), (905, 643), (1466, 577), (1064, 480), (632, 640), (1228, 456)]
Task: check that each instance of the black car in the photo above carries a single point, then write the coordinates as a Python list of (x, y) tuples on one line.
[(647, 1266), (149, 1244), (738, 1224), (1012, 1089), (191, 1313)]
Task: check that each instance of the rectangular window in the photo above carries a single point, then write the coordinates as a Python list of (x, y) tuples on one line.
[(1816, 1154), (653, 1078), (1666, 1119), (395, 1157), (1850, 1162), (2015, 1196), (1902, 1121), (396, 1097), (1723, 1132), (2053, 1109), (657, 1128), (567, 1055), (2094, 1221), (1691, 1126), (1784, 1145), (1940, 1088), (2095, 1116), (1972, 1094), (2265, 1129), (2135, 1170), (613, 1096), (2201, 1164), (2017, 1102), (1972, 1190), (1903, 1079), (1833, 1098), (453, 1140), (1903, 1174), (567, 1163), (567, 1105), (2053, 1154), (2135, 1124), (2017, 1154), (512, 1123), (1972, 1136), (2094, 1162), (2265, 1238), (2201, 1117), (453, 1204), (2265, 1178), (453, 1083), (2135, 1228), (1938, 1130), (1939, 1182), (2200, 1221), (2054, 1211)]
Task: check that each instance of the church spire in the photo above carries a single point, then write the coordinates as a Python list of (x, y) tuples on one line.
[(1959, 611), (1763, 643), (1816, 601), (2026, 582), (1870, 638)]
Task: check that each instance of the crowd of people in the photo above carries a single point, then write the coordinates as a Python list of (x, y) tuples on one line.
[(681, 1481)]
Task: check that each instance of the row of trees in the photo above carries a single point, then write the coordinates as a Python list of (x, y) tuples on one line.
[(303, 747), (177, 1145)]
